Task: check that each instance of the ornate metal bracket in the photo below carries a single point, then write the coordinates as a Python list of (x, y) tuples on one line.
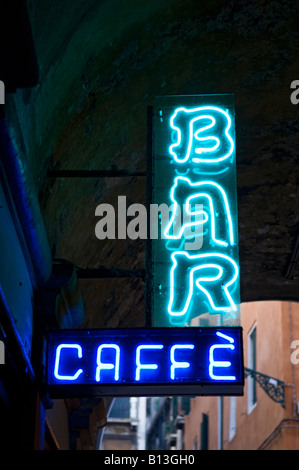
[(273, 387)]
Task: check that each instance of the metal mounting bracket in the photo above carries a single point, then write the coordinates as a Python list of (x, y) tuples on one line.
[(273, 387)]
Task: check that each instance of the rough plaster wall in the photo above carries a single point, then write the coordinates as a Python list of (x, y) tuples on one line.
[(101, 65)]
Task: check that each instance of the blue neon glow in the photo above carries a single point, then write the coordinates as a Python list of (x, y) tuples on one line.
[(139, 365), (222, 335), (107, 366), (175, 364), (220, 270), (220, 363), (58, 354), (188, 140), (195, 191), (144, 356)]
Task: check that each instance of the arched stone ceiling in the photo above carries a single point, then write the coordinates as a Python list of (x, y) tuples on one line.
[(101, 64)]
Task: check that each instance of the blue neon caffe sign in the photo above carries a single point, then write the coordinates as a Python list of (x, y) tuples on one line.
[(195, 260), (141, 362)]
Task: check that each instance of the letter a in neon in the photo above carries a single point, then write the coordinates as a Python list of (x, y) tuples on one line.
[(184, 193)]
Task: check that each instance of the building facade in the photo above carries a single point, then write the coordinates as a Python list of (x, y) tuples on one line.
[(126, 425), (266, 417)]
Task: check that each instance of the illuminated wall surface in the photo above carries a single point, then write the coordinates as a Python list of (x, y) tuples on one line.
[(195, 262), (144, 361)]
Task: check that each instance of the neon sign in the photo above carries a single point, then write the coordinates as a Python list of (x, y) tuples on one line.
[(141, 362), (194, 170)]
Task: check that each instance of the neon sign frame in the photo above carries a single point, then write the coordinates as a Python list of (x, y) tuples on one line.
[(194, 164), (145, 362)]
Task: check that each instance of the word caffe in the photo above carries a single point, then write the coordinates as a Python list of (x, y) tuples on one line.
[(149, 359)]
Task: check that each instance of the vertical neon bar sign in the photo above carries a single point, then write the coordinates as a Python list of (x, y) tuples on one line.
[(195, 257)]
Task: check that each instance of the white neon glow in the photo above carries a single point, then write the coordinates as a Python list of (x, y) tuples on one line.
[(139, 365), (58, 358), (175, 364), (201, 262), (107, 365), (213, 363), (198, 190), (195, 135)]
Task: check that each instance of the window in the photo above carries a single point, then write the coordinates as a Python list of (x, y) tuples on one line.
[(195, 444), (220, 423), (232, 418), (120, 408), (204, 432), (251, 382)]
